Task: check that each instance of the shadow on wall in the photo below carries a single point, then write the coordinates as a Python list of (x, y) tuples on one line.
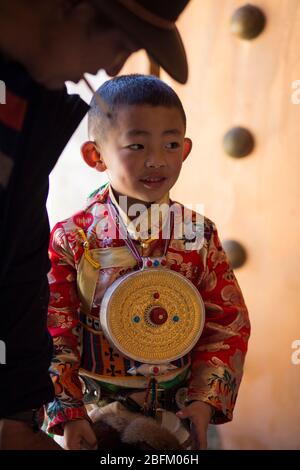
[(72, 180)]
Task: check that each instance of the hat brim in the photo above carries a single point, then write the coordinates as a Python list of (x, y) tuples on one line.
[(164, 46)]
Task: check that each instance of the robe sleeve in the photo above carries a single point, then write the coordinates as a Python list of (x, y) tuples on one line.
[(218, 357), (64, 327)]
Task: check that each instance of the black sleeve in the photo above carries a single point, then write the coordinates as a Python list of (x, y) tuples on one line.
[(51, 120), (24, 380)]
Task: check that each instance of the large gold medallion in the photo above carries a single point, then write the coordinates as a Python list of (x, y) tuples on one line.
[(153, 316)]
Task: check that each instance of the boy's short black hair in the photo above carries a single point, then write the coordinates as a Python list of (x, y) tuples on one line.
[(129, 90)]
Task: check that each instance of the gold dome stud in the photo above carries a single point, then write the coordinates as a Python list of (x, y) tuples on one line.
[(236, 253), (248, 22), (238, 142)]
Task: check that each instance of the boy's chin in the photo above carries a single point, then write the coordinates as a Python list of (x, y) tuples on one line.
[(153, 194), (150, 198)]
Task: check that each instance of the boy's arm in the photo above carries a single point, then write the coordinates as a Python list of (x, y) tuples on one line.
[(218, 357), (63, 324)]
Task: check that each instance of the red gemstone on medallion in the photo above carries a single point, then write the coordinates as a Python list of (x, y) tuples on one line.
[(155, 370), (105, 213), (156, 295), (149, 263), (158, 316), (163, 262)]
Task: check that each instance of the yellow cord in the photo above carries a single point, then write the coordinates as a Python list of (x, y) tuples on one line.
[(86, 248)]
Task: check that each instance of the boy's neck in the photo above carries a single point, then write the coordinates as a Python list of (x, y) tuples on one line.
[(129, 202)]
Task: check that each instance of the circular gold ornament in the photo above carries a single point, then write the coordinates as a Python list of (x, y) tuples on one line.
[(153, 316)]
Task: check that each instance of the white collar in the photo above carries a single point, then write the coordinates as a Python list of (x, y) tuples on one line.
[(153, 218)]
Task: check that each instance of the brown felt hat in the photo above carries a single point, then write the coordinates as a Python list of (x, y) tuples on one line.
[(152, 24)]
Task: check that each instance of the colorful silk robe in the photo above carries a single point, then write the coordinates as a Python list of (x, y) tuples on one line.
[(212, 371)]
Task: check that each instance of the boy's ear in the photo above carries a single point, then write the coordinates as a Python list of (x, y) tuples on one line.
[(187, 147), (91, 156)]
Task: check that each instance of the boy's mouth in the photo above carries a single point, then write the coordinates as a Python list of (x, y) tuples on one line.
[(153, 182)]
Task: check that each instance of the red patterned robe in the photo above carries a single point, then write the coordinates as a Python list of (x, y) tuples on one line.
[(212, 371)]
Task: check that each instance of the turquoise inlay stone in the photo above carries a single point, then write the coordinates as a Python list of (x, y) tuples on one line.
[(136, 319), (176, 318), (156, 263)]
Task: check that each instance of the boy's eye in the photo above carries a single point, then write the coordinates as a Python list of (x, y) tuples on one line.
[(135, 146), (173, 145)]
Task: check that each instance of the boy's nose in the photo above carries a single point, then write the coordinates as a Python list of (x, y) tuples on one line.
[(156, 161), (154, 165)]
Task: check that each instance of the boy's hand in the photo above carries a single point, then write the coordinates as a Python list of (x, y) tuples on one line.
[(199, 414), (79, 435)]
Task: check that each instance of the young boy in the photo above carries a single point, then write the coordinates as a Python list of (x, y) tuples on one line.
[(138, 138)]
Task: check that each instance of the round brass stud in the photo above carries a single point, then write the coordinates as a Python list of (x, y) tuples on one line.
[(248, 22), (238, 142), (236, 253)]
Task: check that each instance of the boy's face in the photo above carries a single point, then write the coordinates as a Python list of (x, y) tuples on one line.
[(143, 151)]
